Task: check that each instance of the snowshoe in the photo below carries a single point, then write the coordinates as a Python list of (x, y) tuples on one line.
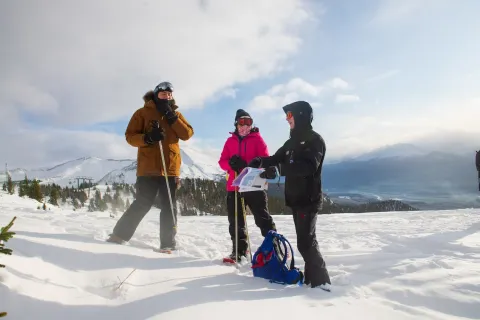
[(232, 259), (115, 239), (324, 287), (164, 250)]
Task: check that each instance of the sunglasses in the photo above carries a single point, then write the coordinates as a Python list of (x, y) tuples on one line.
[(164, 86), (245, 121), (289, 115)]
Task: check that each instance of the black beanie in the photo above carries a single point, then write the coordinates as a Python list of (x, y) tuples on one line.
[(241, 113)]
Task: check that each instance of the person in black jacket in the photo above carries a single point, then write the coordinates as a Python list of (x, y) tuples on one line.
[(477, 163), (301, 160)]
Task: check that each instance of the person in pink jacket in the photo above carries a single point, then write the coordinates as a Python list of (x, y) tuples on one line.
[(244, 144)]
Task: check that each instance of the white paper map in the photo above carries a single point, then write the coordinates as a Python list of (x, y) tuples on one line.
[(249, 180)]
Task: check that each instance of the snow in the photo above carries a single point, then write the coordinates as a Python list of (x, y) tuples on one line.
[(396, 265)]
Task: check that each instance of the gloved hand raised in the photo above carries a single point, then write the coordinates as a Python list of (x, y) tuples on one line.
[(255, 163), (269, 173), (164, 107), (237, 163), (156, 134)]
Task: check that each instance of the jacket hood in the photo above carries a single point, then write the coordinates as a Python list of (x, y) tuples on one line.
[(149, 103)]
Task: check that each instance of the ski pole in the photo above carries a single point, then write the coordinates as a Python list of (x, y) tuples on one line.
[(236, 223), (246, 227), (168, 185)]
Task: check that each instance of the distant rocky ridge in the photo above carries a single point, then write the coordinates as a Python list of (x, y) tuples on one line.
[(331, 206)]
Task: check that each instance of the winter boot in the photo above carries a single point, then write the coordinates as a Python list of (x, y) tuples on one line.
[(241, 253), (115, 239)]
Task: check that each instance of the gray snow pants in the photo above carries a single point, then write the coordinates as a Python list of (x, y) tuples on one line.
[(147, 189)]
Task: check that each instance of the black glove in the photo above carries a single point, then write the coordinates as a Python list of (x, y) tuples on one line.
[(164, 107), (155, 135), (237, 163), (269, 173), (255, 163)]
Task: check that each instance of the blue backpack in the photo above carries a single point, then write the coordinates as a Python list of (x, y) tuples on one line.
[(269, 262)]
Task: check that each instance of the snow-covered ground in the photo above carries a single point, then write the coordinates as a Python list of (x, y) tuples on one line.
[(405, 265)]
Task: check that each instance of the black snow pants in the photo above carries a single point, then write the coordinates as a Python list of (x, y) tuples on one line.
[(479, 180), (257, 201), (305, 225), (147, 189)]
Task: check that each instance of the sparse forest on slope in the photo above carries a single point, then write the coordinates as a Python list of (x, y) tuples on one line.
[(194, 197)]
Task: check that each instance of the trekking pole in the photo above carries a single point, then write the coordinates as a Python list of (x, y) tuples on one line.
[(246, 227), (236, 223), (168, 185)]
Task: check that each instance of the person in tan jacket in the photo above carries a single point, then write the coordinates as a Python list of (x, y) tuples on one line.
[(158, 121)]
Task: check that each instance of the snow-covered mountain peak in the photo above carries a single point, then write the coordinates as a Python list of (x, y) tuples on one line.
[(196, 163)]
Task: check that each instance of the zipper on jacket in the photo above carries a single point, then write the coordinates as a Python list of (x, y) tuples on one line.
[(239, 146)]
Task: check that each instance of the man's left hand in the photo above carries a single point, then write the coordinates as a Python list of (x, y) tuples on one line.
[(269, 173)]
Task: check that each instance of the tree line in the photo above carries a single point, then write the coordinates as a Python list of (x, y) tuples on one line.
[(77, 197), (194, 197)]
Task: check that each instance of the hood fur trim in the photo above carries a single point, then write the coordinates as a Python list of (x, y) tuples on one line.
[(148, 96)]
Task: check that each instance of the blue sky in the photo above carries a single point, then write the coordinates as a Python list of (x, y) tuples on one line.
[(399, 65), (377, 72)]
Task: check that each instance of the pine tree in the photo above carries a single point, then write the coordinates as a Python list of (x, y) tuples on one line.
[(21, 190), (10, 187), (36, 191), (5, 235), (53, 197), (23, 187), (76, 204), (91, 205), (4, 187)]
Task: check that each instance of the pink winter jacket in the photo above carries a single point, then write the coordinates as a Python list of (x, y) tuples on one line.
[(249, 147)]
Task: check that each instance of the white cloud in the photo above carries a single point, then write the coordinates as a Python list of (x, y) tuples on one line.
[(338, 83), (453, 125), (394, 10), (282, 94), (96, 59), (34, 148), (295, 89), (383, 76), (48, 147), (346, 98)]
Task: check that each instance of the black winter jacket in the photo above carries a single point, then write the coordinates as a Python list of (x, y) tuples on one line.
[(477, 161), (301, 160)]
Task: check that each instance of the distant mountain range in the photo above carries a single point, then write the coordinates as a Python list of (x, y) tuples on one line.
[(406, 172), (429, 180), (195, 164)]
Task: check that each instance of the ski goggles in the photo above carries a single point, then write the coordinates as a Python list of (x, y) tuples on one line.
[(245, 121), (289, 115), (164, 86)]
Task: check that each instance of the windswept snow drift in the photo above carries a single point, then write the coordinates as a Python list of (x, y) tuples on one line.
[(406, 265)]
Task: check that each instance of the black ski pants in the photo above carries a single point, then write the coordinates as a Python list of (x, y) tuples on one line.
[(479, 180), (257, 201), (305, 225), (147, 189)]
